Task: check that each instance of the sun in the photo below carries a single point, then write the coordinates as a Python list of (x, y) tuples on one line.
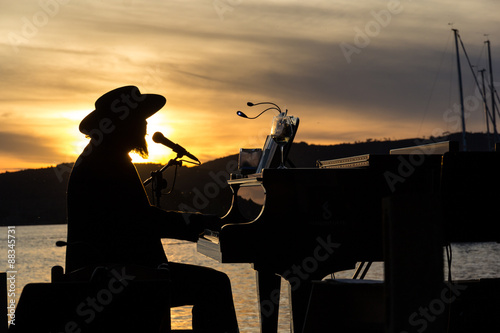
[(157, 152)]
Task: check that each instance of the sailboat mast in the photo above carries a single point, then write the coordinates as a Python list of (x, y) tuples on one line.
[(492, 92), (486, 115), (460, 88)]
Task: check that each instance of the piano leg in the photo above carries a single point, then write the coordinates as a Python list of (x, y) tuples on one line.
[(299, 299), (268, 289), (413, 266)]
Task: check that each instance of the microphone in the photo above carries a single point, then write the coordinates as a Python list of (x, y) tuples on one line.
[(181, 151)]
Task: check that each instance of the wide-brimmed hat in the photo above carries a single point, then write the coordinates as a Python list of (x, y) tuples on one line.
[(119, 106)]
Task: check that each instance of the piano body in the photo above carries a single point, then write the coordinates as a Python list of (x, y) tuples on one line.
[(303, 224)]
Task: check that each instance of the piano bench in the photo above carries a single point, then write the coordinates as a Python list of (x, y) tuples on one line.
[(58, 276), (354, 306), (113, 301)]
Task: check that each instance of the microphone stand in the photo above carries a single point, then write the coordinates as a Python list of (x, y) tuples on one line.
[(158, 183)]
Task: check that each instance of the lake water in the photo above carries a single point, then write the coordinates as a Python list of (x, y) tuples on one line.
[(36, 253)]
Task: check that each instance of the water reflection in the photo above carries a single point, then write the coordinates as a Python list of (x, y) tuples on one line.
[(243, 284), (36, 253)]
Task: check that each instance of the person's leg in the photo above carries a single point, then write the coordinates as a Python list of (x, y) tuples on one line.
[(209, 291)]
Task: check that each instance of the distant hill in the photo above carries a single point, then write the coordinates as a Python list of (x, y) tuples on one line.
[(38, 196)]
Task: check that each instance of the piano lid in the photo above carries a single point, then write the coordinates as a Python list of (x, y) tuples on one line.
[(438, 148)]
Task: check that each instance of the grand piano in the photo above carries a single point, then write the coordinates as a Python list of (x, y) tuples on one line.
[(305, 223)]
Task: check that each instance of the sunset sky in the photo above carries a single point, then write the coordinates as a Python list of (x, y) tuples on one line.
[(350, 70)]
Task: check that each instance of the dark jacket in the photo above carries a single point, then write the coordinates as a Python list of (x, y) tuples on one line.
[(110, 218)]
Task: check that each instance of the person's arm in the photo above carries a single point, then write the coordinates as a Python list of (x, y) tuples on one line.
[(182, 225)]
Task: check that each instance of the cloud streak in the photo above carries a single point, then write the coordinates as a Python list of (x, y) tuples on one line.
[(30, 148), (400, 83)]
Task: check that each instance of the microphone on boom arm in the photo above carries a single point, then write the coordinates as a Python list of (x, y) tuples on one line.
[(181, 151)]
